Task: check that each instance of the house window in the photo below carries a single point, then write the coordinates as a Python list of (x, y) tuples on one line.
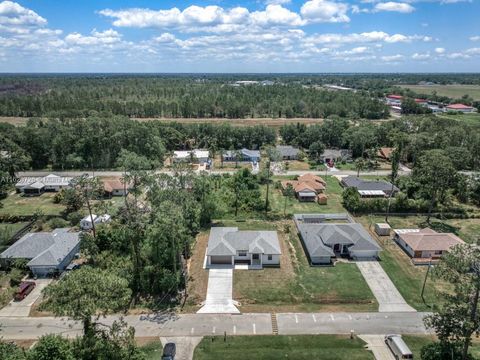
[(438, 252), (242, 253), (270, 257)]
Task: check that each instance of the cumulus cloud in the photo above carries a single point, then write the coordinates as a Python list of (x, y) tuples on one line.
[(106, 37), (393, 58), (14, 14), (394, 6), (317, 11), (367, 37), (421, 56), (475, 38), (277, 2), (440, 50)]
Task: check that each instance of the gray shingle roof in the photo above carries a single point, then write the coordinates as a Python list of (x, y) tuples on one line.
[(44, 249), (225, 241), (360, 184), (319, 238), (287, 150), (246, 153)]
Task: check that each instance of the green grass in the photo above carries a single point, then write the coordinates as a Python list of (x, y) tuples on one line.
[(6, 232), (452, 91), (16, 205), (299, 347), (334, 193), (153, 350), (416, 342), (472, 119), (297, 286)]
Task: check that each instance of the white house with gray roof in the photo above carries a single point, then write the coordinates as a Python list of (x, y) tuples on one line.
[(288, 152), (48, 252), (230, 246), (243, 155), (326, 236)]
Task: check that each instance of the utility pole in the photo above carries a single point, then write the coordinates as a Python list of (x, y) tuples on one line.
[(425, 281), (268, 186)]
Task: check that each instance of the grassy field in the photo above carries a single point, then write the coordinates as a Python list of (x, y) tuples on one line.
[(334, 193), (152, 350), (452, 91), (415, 343), (16, 205), (6, 232), (300, 347), (472, 119)]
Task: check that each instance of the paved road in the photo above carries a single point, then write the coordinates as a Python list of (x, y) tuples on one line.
[(219, 293), (387, 295), (22, 308), (174, 325)]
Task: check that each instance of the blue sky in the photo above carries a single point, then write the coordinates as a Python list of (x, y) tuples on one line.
[(240, 36)]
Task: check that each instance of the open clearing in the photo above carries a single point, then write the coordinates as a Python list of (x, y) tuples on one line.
[(453, 91), (299, 347), (17, 205)]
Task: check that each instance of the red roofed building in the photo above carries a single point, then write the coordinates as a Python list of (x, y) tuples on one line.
[(460, 107)]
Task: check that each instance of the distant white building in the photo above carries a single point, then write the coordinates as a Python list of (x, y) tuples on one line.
[(199, 156), (33, 185), (87, 222)]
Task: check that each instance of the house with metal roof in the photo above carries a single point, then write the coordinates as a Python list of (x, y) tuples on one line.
[(48, 253), (230, 246), (370, 188), (198, 156), (288, 152), (327, 236), (243, 155)]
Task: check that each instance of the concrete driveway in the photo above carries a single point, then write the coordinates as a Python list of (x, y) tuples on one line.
[(185, 345), (219, 293), (376, 344), (22, 308), (387, 295)]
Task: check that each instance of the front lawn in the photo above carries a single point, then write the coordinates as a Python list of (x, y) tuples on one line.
[(299, 347), (296, 286), (407, 277), (17, 205)]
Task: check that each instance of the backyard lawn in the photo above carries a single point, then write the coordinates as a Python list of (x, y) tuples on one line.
[(16, 205), (296, 286), (7, 230), (299, 347)]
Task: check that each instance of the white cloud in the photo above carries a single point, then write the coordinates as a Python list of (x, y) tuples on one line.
[(473, 51), (106, 37), (276, 15), (440, 50), (317, 11), (367, 37), (421, 56), (475, 38), (277, 2), (394, 6), (393, 58), (14, 14)]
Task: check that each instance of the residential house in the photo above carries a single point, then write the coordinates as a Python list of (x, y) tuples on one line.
[(199, 156), (307, 187), (48, 253), (87, 222), (370, 188), (230, 246), (32, 186), (425, 245), (288, 152), (460, 108), (385, 153), (327, 236), (244, 155), (115, 187), (336, 155)]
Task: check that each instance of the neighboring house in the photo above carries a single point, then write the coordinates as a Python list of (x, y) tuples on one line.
[(199, 156), (326, 236), (460, 107), (87, 222), (48, 253), (370, 188), (394, 100), (335, 155), (230, 246), (115, 187), (424, 245), (307, 187), (38, 185), (245, 155), (385, 153), (288, 152)]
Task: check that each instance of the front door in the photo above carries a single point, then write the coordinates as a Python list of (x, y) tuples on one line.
[(255, 259), (336, 248)]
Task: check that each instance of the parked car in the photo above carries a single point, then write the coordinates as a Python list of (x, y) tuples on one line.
[(398, 347), (24, 289), (169, 351)]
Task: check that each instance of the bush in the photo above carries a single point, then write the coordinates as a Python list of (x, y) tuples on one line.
[(56, 223), (52, 347), (16, 276), (439, 351), (74, 218)]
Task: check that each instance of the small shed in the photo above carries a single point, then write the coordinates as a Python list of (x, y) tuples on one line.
[(322, 199), (382, 229)]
